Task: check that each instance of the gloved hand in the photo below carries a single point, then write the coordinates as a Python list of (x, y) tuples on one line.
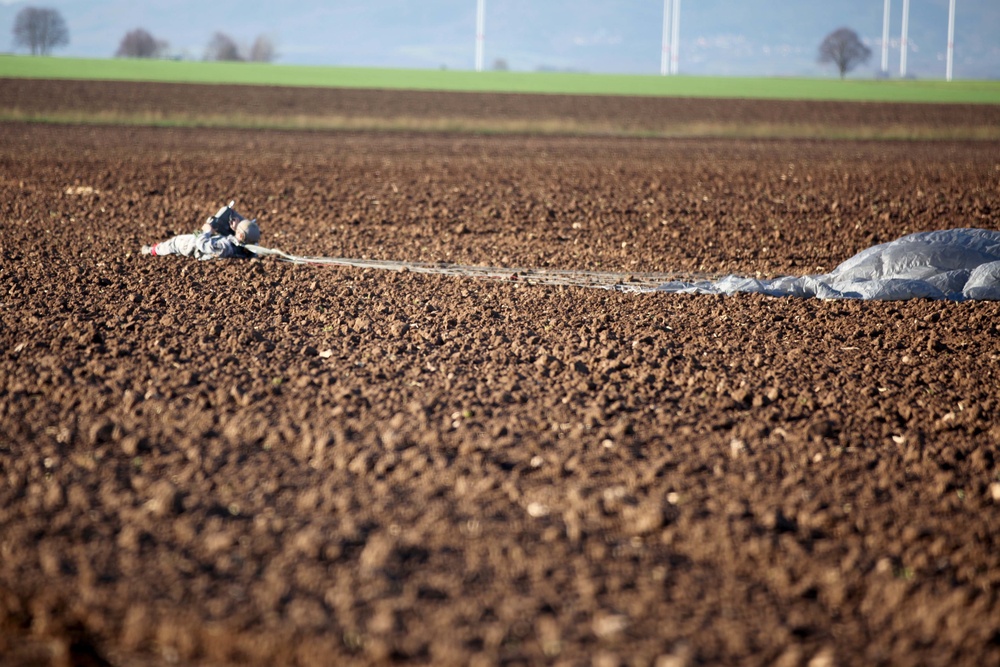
[(224, 222)]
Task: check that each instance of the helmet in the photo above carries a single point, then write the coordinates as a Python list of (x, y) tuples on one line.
[(247, 231)]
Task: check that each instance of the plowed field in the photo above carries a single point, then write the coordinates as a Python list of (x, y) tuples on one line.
[(253, 462), (111, 101)]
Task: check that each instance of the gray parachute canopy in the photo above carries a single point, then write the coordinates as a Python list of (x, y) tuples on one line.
[(953, 264)]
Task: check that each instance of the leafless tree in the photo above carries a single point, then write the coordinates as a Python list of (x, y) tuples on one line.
[(843, 48), (40, 30), (139, 43), (500, 65), (262, 50), (223, 47)]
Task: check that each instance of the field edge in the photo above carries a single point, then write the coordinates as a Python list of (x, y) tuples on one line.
[(557, 83)]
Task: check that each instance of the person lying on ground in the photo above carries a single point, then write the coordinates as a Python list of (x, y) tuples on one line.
[(224, 235)]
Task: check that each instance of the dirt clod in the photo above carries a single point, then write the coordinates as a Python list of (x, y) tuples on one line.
[(264, 463)]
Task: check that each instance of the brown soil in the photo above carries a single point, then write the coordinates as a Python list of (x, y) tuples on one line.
[(256, 462), (612, 113)]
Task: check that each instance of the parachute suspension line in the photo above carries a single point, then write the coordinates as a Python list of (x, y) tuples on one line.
[(626, 282)]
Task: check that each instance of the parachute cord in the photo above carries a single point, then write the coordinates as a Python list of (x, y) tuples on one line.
[(627, 282)]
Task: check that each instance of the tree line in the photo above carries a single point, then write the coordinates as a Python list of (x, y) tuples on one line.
[(139, 43), (40, 30)]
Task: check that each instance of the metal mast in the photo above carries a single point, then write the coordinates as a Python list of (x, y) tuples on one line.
[(675, 37), (885, 37), (480, 32), (951, 40), (903, 42), (665, 46)]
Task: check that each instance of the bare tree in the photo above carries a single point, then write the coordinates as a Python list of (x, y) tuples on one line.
[(500, 65), (843, 48), (262, 50), (139, 43), (40, 30), (223, 47)]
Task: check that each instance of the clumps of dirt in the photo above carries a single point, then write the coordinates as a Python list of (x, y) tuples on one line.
[(601, 114), (256, 462)]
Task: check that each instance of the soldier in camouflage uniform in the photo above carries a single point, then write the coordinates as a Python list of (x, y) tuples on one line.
[(223, 235)]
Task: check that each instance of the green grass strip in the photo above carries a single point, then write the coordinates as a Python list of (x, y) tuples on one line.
[(860, 90)]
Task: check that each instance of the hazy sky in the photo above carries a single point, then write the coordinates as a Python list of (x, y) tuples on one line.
[(722, 37)]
